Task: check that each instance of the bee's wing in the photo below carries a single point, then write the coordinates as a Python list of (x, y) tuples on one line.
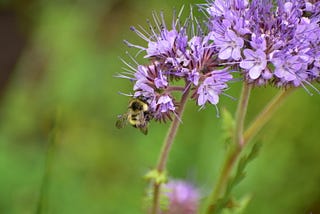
[(122, 121)]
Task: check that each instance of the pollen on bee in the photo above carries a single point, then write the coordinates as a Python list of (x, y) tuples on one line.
[(145, 107)]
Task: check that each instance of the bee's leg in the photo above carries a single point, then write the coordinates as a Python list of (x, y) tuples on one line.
[(144, 129)]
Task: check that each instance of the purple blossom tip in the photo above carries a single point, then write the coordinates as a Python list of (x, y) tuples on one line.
[(132, 28)]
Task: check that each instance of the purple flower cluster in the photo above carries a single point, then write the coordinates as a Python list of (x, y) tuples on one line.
[(268, 42), (272, 42), (174, 57), (183, 198)]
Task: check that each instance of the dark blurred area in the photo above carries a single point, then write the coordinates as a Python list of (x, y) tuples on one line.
[(58, 60), (14, 34)]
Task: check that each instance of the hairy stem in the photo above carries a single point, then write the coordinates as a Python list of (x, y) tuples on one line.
[(235, 149), (166, 149), (266, 114)]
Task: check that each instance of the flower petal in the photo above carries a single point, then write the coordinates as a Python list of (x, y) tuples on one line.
[(255, 72), (246, 64), (236, 54), (213, 97), (225, 53)]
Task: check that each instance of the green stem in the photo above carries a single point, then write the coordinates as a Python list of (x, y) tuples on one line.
[(234, 151), (166, 149), (266, 114), (241, 114)]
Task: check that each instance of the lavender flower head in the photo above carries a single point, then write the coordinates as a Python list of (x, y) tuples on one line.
[(175, 56), (183, 198), (277, 44)]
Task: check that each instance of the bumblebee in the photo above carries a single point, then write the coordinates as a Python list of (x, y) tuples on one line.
[(138, 115)]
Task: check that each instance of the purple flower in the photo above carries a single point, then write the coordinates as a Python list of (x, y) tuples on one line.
[(162, 42), (194, 77), (163, 45), (183, 198), (217, 8), (212, 86), (230, 45), (146, 76), (255, 62), (286, 69), (207, 92), (161, 81), (165, 104), (201, 57), (258, 42), (197, 46)]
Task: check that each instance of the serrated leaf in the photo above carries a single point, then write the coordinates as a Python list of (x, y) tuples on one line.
[(254, 151), (243, 162)]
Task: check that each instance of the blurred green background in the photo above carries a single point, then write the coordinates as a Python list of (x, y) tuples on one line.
[(60, 58)]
